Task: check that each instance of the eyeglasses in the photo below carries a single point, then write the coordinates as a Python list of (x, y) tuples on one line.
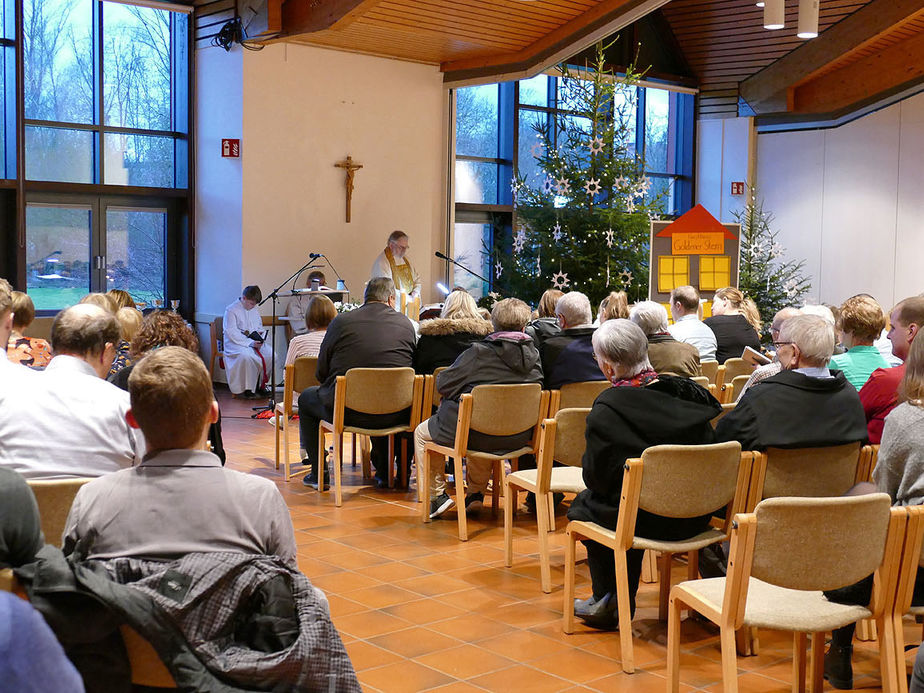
[(777, 345)]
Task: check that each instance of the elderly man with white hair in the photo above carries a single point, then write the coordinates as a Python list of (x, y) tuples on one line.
[(666, 354), (568, 357), (761, 373), (805, 405)]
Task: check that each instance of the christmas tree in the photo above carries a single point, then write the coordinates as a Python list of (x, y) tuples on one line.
[(584, 224), (767, 279)]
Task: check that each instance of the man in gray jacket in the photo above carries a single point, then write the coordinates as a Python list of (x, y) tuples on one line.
[(506, 356)]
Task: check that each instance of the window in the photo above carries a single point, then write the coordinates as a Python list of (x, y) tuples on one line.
[(714, 272), (673, 271)]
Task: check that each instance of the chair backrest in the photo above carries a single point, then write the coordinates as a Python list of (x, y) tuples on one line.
[(819, 472), (304, 373), (726, 407), (701, 380), (737, 385), (820, 543), (581, 395), (503, 410), (7, 580), (735, 367), (561, 439), (379, 390), (689, 480), (437, 397), (54, 498), (709, 369), (217, 334)]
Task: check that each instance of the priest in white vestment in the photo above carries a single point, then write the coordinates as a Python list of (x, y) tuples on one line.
[(393, 263), (247, 360)]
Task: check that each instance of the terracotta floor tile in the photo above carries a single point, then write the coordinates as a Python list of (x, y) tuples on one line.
[(346, 581), (393, 571), (639, 682), (368, 624), (524, 615), (465, 661), (472, 627), (424, 611), (523, 646), (314, 568), (403, 677), (341, 606), (521, 678), (354, 559), (415, 642), (755, 683), (381, 595), (432, 585), (457, 687), (577, 665), (365, 655)]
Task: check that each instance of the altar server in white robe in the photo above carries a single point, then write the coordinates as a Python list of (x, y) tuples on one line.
[(247, 361)]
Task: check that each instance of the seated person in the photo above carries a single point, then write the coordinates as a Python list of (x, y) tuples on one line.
[(878, 395), (545, 323), (568, 357), (26, 351), (107, 302), (688, 327), (665, 353), (130, 320), (506, 356), (859, 322), (319, 314), (179, 499), (68, 421), (735, 323), (374, 335), (805, 405), (248, 356), (122, 298), (297, 306), (640, 410), (761, 373), (20, 526), (614, 306), (444, 338)]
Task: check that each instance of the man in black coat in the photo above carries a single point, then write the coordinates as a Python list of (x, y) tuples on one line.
[(371, 336), (805, 405), (568, 357)]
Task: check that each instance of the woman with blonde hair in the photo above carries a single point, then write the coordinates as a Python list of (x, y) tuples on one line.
[(546, 324), (27, 351), (736, 323), (122, 298), (130, 320), (444, 338), (319, 314), (104, 301), (616, 305)]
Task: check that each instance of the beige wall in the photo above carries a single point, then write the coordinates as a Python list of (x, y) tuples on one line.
[(304, 109)]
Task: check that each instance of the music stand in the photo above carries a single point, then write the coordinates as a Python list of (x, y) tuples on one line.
[(271, 403)]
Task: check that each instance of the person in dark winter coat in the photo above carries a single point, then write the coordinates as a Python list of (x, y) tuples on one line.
[(805, 404), (640, 410), (546, 324), (443, 339), (507, 356), (568, 357)]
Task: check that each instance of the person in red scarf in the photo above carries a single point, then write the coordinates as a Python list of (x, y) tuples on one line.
[(640, 410)]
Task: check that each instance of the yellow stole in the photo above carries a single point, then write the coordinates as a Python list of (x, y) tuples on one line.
[(400, 274)]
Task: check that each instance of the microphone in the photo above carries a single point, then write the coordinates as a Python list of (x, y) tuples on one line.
[(441, 256), (315, 256)]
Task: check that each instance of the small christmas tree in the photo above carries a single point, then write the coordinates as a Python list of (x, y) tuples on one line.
[(585, 225), (771, 282)]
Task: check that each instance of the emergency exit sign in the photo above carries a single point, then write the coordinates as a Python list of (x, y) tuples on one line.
[(737, 188), (231, 148)]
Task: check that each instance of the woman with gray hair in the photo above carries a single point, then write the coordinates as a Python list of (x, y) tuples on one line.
[(640, 410)]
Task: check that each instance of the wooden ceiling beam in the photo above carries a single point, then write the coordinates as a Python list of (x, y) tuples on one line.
[(308, 16), (768, 90), (897, 66), (573, 37)]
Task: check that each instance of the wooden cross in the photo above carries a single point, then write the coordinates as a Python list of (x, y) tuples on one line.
[(350, 169)]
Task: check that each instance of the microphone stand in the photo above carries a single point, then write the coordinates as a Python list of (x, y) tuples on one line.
[(271, 403), (459, 264)]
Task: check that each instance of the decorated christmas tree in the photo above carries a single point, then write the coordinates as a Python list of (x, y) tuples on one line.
[(583, 222), (769, 280)]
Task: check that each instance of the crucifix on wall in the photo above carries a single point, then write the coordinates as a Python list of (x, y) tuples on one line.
[(350, 168)]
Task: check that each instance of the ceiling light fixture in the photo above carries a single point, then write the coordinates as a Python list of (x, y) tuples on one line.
[(774, 14), (808, 19)]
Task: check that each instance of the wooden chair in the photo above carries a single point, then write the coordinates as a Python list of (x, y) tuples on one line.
[(54, 498), (431, 396), (370, 391), (217, 341), (782, 555), (731, 390), (701, 380), (561, 439), (410, 306), (497, 410), (300, 375), (912, 558), (725, 409), (576, 395), (146, 665), (672, 481), (710, 369)]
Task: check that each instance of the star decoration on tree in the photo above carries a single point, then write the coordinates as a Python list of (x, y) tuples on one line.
[(560, 280), (548, 185), (596, 145), (498, 270), (620, 182), (625, 277), (609, 238), (537, 149), (562, 186), (519, 241), (556, 231), (592, 186)]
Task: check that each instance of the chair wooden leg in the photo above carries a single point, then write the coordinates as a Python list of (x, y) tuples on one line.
[(510, 492), (649, 567), (496, 486), (625, 612), (402, 467), (460, 498), (798, 662), (550, 507), (337, 463), (353, 450), (664, 590), (322, 459), (567, 611), (391, 461), (692, 565), (542, 527), (892, 654), (729, 660), (366, 451), (673, 645), (276, 426), (285, 452), (818, 662)]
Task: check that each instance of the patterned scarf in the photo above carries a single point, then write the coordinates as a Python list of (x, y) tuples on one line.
[(640, 379)]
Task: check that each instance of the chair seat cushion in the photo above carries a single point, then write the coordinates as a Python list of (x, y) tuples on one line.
[(564, 479), (779, 608), (499, 455), (701, 540)]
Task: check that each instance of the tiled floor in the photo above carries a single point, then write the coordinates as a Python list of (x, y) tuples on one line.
[(420, 610)]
